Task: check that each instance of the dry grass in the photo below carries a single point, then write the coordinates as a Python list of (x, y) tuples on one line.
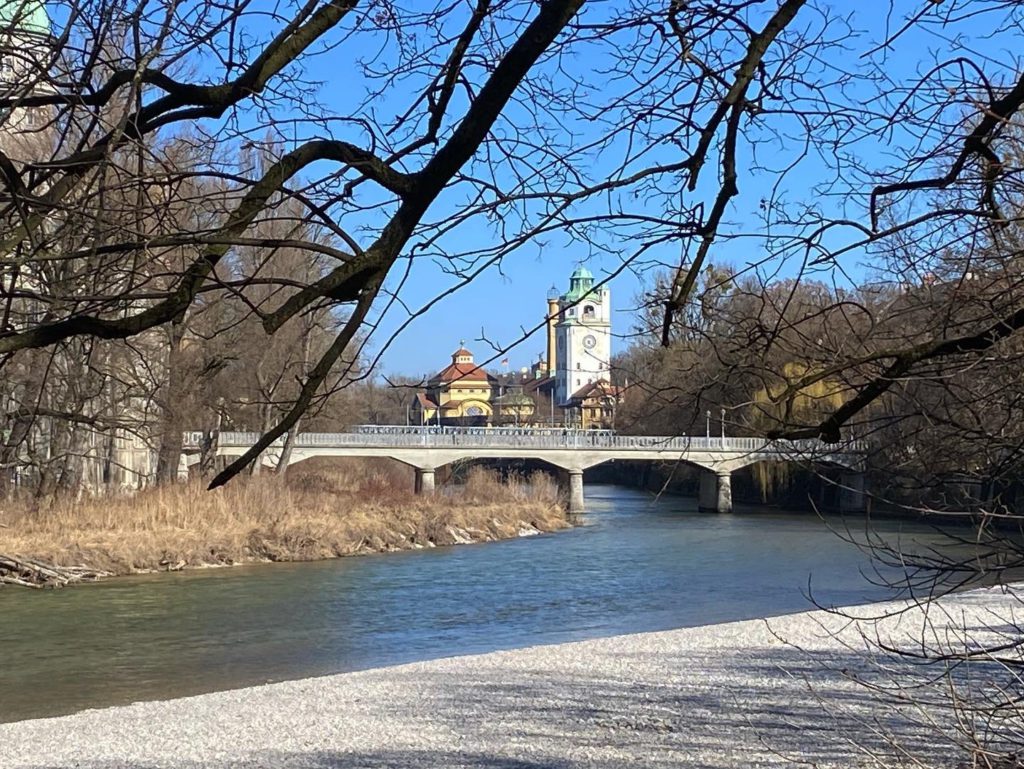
[(317, 512)]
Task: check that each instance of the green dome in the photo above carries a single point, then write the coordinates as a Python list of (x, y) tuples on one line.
[(24, 16), (582, 272)]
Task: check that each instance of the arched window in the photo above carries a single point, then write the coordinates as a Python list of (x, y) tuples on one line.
[(588, 311)]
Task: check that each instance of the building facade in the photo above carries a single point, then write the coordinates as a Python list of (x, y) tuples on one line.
[(26, 134), (96, 450), (460, 394)]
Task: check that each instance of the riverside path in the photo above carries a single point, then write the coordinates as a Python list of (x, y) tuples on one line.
[(428, 448)]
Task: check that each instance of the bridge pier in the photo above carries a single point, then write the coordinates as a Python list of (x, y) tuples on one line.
[(576, 505), (424, 481), (852, 498), (715, 494)]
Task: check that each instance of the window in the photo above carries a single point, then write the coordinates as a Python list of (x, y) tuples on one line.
[(579, 366), (588, 311)]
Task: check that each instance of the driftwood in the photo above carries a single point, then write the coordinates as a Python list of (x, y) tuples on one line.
[(28, 572)]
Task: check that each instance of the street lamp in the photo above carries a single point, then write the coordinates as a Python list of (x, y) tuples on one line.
[(707, 425), (723, 424)]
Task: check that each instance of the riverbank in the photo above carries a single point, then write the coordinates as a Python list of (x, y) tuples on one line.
[(313, 513), (751, 693)]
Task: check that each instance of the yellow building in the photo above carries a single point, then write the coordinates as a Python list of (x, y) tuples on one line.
[(461, 394)]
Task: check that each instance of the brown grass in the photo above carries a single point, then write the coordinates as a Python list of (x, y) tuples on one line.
[(317, 512)]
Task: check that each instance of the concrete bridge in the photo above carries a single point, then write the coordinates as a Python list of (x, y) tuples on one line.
[(428, 448)]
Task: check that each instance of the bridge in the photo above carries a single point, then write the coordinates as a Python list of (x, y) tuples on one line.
[(428, 448)]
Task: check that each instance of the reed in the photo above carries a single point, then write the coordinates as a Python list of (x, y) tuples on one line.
[(314, 512)]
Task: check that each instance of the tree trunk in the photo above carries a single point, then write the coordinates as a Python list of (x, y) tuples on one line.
[(171, 436), (286, 450)]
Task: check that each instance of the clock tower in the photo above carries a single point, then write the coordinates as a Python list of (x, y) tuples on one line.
[(583, 336)]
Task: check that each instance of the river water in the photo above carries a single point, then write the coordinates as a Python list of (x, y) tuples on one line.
[(637, 564)]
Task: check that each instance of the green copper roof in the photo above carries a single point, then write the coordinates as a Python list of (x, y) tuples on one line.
[(24, 15), (581, 283)]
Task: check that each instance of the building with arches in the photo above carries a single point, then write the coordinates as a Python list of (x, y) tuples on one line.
[(460, 394)]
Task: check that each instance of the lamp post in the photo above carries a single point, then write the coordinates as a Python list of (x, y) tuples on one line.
[(723, 425), (707, 425)]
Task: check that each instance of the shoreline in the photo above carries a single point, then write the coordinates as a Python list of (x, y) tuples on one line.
[(746, 693), (310, 516)]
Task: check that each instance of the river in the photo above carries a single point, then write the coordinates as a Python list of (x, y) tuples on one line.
[(636, 564)]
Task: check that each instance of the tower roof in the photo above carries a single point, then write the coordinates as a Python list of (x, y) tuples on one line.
[(582, 272), (581, 283), (24, 16)]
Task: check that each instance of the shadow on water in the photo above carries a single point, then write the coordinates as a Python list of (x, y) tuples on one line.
[(637, 564)]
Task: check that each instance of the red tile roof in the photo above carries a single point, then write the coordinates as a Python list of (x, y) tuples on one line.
[(469, 372)]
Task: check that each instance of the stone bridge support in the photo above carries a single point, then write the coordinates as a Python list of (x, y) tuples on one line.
[(715, 491), (576, 504), (424, 480), (852, 498)]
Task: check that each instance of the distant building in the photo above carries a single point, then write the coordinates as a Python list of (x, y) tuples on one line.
[(592, 407), (583, 329), (569, 387), (460, 394)]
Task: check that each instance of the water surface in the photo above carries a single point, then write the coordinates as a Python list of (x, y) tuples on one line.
[(637, 565)]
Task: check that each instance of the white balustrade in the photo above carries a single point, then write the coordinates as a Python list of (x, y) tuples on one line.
[(374, 436)]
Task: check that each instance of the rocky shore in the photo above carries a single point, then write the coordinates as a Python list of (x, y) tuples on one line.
[(742, 694)]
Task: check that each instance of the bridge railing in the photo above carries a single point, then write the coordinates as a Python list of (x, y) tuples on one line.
[(372, 436)]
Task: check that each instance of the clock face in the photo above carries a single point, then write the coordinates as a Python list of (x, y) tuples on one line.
[(589, 341)]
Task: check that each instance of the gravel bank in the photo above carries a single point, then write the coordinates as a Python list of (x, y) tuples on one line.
[(732, 695)]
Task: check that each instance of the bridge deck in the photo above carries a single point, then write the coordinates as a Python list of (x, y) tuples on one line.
[(529, 438)]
